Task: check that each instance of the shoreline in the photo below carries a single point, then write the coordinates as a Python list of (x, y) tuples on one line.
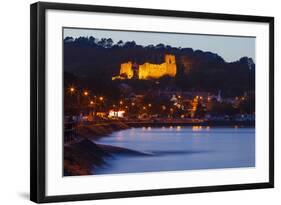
[(96, 131), (83, 155), (187, 124)]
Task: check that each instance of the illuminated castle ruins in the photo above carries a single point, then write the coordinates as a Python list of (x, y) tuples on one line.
[(148, 70)]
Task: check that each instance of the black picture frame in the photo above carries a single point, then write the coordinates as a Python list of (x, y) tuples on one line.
[(38, 101)]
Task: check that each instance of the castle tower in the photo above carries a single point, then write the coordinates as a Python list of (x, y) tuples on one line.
[(170, 59), (127, 70), (170, 64)]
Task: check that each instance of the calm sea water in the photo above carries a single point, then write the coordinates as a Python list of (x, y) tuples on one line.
[(180, 148)]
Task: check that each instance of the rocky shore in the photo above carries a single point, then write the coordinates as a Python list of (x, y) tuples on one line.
[(95, 131), (81, 157)]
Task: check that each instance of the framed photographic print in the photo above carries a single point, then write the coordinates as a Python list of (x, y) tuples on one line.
[(129, 102)]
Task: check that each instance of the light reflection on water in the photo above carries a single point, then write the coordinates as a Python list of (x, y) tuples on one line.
[(181, 148)]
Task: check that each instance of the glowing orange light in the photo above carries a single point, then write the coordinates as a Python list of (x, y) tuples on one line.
[(101, 98), (149, 105), (133, 104), (86, 93), (72, 89), (196, 128), (91, 102), (121, 102)]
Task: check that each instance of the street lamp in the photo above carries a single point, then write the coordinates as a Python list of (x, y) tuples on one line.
[(85, 93), (72, 89), (101, 98)]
